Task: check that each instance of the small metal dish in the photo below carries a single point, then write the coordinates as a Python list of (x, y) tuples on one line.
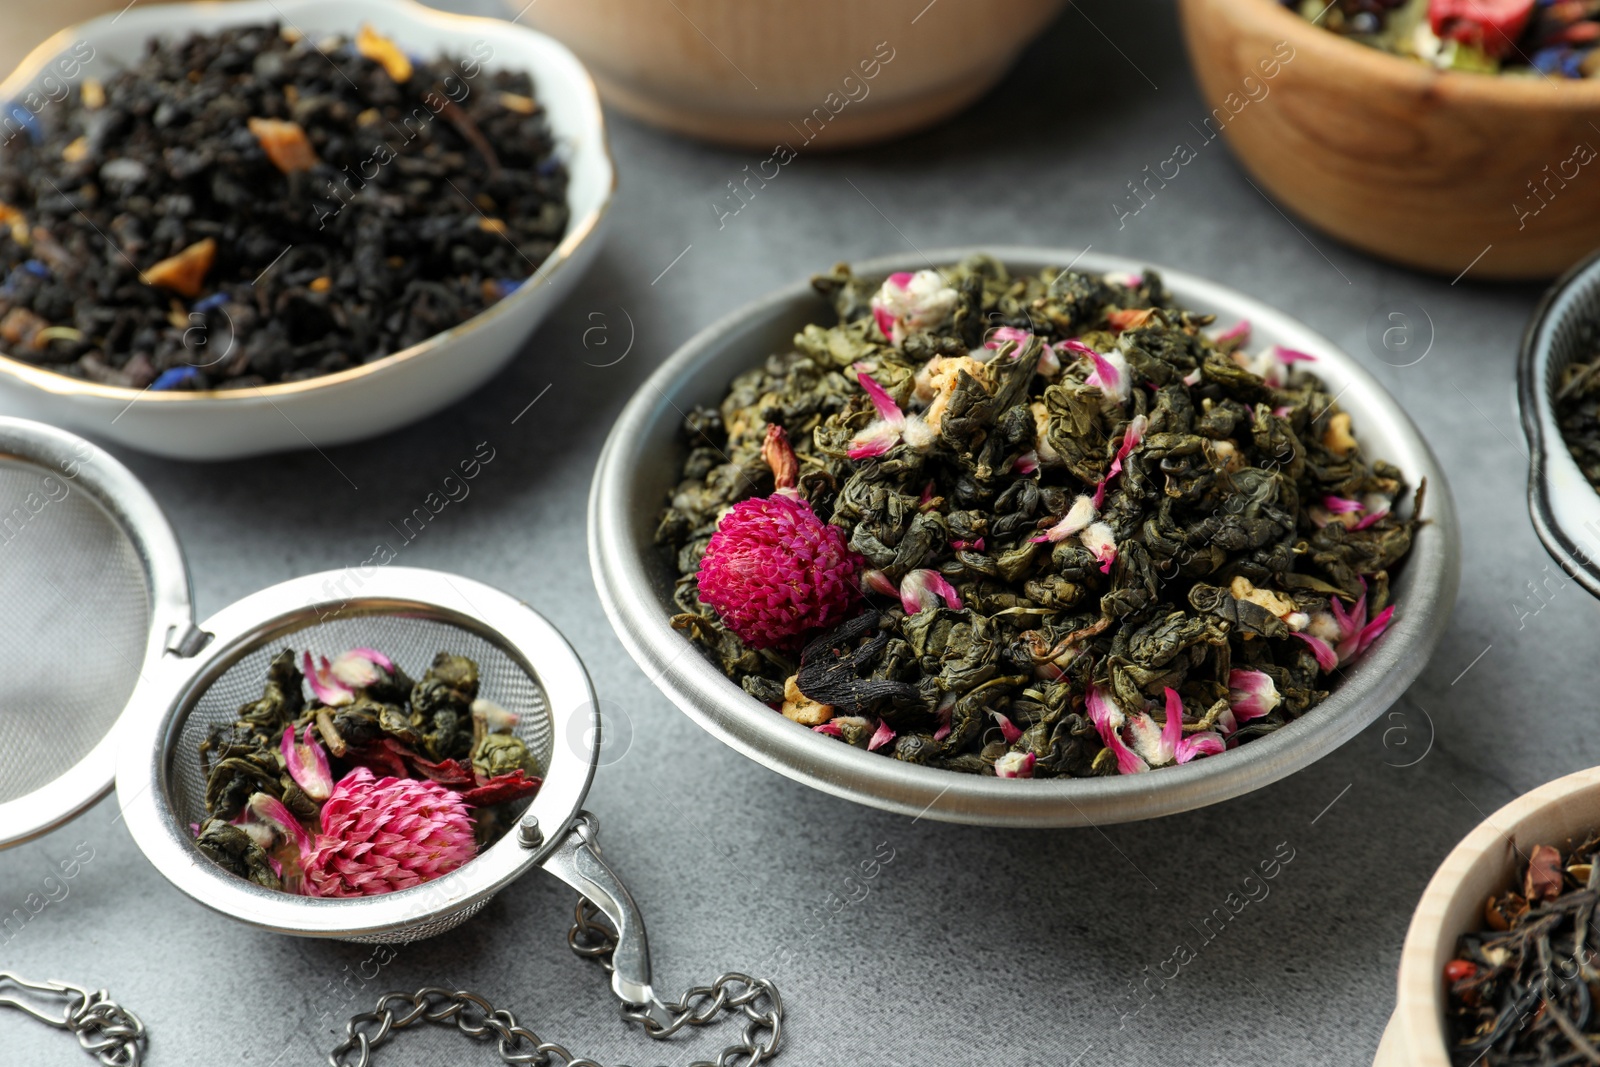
[(641, 462), (1565, 507), (387, 393)]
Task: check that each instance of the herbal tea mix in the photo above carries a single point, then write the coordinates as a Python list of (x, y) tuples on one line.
[(375, 784), (1032, 526), (1521, 991), (1527, 38), (256, 207), (1578, 409)]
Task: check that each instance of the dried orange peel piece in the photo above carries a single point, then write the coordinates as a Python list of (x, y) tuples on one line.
[(14, 220), (184, 273), (285, 143), (384, 52)]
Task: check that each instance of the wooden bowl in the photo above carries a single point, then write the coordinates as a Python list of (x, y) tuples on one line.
[(825, 74), (1426, 168), (1482, 864)]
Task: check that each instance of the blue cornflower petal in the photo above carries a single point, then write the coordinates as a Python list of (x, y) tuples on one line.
[(176, 376)]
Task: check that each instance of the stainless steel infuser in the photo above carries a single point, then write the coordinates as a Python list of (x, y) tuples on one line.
[(107, 642)]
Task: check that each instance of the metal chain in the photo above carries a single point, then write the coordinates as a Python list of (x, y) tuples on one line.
[(592, 939), (111, 1033)]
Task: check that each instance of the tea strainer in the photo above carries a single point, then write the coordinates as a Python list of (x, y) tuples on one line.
[(106, 644)]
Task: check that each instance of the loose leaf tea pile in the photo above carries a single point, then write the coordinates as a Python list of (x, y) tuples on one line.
[(1031, 526), (255, 207), (1522, 991), (1578, 413), (377, 783), (1529, 38)]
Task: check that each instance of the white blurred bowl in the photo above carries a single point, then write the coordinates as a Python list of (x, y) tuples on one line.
[(387, 393)]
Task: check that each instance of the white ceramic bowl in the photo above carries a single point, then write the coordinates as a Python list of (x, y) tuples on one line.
[(1483, 863), (378, 396)]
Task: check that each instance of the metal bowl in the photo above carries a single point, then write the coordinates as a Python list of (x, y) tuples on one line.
[(375, 397), (641, 462), (1565, 507)]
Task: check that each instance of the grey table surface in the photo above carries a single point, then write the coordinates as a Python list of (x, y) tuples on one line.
[(972, 945)]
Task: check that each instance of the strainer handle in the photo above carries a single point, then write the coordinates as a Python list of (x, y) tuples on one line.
[(577, 862)]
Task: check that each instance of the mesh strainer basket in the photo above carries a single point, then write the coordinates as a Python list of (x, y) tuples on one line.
[(102, 657)]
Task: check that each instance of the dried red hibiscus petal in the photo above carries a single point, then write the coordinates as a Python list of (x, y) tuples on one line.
[(392, 758), (381, 759), (502, 788)]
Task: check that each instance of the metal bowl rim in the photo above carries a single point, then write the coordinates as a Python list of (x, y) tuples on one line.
[(1548, 457)]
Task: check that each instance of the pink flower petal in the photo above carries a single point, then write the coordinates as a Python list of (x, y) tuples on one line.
[(1370, 520), (830, 728), (1326, 658), (879, 582), (1009, 333), (1374, 629), (1110, 378), (944, 724), (1289, 355), (875, 440), (1077, 519), (901, 279), (327, 688), (307, 762), (967, 546), (888, 410), (1008, 729), (1108, 719), (374, 656), (1227, 724), (881, 736), (1131, 439), (1194, 746), (1015, 765), (270, 810), (1282, 412), (1027, 463), (1099, 539), (885, 320), (1128, 761), (1239, 331), (1172, 731), (1341, 505), (1251, 694), (919, 588)]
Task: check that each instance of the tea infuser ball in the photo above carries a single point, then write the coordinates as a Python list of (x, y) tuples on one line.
[(105, 643)]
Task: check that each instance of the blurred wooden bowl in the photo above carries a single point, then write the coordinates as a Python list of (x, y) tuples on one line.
[(754, 75), (1484, 863), (1422, 167)]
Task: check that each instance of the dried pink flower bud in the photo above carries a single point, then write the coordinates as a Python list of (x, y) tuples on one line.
[(307, 762), (774, 571), (383, 834)]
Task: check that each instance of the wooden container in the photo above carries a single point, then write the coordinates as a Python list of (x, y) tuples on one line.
[(1430, 169), (1483, 863), (825, 74)]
